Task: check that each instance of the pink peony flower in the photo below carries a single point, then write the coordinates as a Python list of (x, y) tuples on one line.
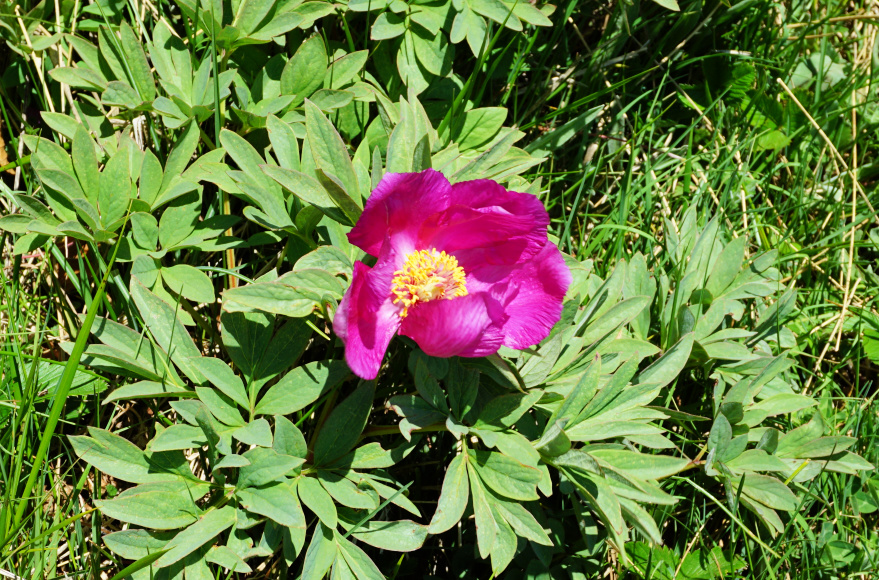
[(462, 270)]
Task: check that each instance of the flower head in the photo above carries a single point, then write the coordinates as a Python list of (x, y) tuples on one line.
[(461, 269)]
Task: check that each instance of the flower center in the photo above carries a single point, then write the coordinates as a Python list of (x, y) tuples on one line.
[(427, 275)]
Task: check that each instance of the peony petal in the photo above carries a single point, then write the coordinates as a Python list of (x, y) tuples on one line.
[(398, 207), (486, 224), (469, 326), (531, 294), (536, 305), (367, 319)]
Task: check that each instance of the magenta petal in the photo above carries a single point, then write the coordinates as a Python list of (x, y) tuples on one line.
[(486, 224), (531, 294), (367, 319), (470, 326), (398, 206)]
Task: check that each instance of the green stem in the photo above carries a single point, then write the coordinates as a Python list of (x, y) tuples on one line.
[(17, 163), (379, 430)]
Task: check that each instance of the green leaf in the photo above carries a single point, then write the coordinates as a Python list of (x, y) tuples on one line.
[(727, 266), (505, 543), (277, 502), (180, 155), (266, 466), (179, 219), (48, 155), (15, 223), (757, 460), (250, 14), (605, 503), (316, 498), (656, 562), (583, 394), (301, 387), (416, 412), (220, 406), (64, 183), (135, 544), (505, 475), (288, 438), (197, 535), (391, 494), (614, 318), (121, 94), (346, 492), (249, 160), (28, 243), (222, 555), (530, 14), (554, 441), (478, 127), (166, 328), (345, 69), (36, 209), (320, 555), (506, 410), (400, 536), (79, 78), (428, 387), (137, 63), (669, 366), (366, 5), (331, 100), (329, 151), (246, 336), (190, 282), (221, 376), (85, 163), (411, 71), (178, 437), (230, 461), (709, 564), (306, 188), (118, 457), (641, 465), (523, 522), (328, 258), (453, 497), (342, 429), (145, 230), (374, 456), (87, 213), (161, 506), (669, 4), (359, 563), (257, 432), (295, 294), (486, 527), (768, 491), (434, 52), (304, 73), (285, 146), (388, 25), (340, 196), (497, 11), (462, 386)]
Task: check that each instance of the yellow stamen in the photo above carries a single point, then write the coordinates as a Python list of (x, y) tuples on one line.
[(427, 275)]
